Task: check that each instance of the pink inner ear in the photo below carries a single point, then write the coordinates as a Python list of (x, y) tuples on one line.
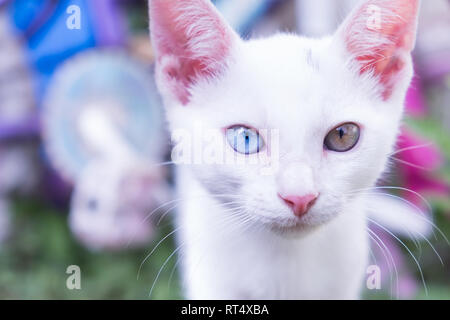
[(191, 41), (382, 50)]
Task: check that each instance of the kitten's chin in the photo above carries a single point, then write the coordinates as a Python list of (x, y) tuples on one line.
[(293, 228), (292, 232)]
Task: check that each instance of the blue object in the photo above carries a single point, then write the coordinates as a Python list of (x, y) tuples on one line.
[(53, 42), (110, 81), (42, 26), (242, 15)]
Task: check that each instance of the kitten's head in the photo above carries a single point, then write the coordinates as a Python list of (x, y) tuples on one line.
[(322, 114)]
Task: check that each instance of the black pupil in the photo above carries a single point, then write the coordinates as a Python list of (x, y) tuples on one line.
[(341, 132), (247, 139)]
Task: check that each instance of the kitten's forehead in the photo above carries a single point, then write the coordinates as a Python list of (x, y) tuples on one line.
[(283, 50), (296, 85), (281, 78)]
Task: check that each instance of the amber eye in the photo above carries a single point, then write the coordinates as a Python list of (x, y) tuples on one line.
[(343, 138)]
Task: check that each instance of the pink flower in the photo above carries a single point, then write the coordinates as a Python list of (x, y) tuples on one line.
[(418, 162)]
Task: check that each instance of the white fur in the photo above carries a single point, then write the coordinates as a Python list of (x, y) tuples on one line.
[(225, 260), (250, 245)]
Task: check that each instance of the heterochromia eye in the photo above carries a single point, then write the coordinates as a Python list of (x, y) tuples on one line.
[(244, 140), (343, 138)]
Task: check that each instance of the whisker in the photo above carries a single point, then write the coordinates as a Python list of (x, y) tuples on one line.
[(162, 268), (390, 263), (162, 164), (418, 213), (398, 188), (411, 164), (154, 249), (147, 217), (238, 224), (172, 273), (414, 238), (407, 249), (425, 145), (166, 261), (165, 214), (218, 204), (433, 248), (224, 220), (372, 255), (153, 212)]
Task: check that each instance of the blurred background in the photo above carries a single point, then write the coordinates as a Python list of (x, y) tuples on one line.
[(84, 177)]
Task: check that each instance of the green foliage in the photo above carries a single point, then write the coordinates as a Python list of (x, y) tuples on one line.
[(34, 260)]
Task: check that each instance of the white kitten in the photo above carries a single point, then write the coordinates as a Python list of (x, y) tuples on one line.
[(322, 113)]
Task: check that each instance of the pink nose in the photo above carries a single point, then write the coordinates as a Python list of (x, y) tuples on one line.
[(300, 205)]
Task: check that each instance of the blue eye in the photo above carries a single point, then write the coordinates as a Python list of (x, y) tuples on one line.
[(244, 140)]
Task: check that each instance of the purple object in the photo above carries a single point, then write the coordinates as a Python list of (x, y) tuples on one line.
[(108, 23), (27, 128)]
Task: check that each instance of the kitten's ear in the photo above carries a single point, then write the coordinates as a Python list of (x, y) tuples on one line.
[(380, 35), (191, 41)]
